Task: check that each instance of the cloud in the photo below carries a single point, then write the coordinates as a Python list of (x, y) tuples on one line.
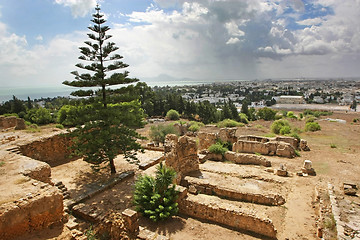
[(311, 21), (79, 8), (39, 38)]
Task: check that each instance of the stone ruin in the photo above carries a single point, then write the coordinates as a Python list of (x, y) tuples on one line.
[(279, 146), (12, 122), (181, 155)]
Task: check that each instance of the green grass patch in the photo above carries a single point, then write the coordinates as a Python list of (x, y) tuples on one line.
[(333, 145), (229, 123), (2, 163)]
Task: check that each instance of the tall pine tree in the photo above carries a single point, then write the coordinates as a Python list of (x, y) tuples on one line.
[(105, 135)]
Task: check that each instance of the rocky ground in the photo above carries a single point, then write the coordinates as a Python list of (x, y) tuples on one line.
[(335, 152)]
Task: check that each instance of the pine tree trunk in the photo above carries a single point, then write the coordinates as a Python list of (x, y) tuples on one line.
[(112, 166)]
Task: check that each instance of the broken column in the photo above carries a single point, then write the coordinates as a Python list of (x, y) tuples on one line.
[(181, 155), (131, 220), (308, 169), (282, 171)]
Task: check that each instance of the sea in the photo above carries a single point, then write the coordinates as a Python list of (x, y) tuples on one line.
[(22, 93)]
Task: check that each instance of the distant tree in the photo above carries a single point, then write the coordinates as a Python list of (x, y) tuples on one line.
[(29, 103), (353, 105), (104, 135), (245, 108), (172, 115), (39, 116), (266, 113), (17, 105), (226, 112), (234, 111)]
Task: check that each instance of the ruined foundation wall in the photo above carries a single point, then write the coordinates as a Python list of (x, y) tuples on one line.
[(31, 213), (281, 149), (244, 158), (12, 121), (49, 150), (229, 216)]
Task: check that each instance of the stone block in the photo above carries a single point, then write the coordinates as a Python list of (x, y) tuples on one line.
[(131, 220)]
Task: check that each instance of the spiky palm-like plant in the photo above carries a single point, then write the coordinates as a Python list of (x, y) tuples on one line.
[(155, 197)]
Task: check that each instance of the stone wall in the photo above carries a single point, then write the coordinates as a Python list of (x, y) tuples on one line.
[(50, 150), (181, 155), (244, 158), (33, 212), (206, 140), (12, 121), (268, 148), (203, 186), (34, 169), (229, 215)]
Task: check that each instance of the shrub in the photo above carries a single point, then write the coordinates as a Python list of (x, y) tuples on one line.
[(290, 114), (285, 130), (229, 123), (10, 115), (332, 145), (172, 115), (195, 126), (155, 197), (60, 126), (159, 132), (312, 127), (294, 135), (277, 125), (301, 116), (266, 113), (39, 116), (243, 118), (310, 119), (218, 148)]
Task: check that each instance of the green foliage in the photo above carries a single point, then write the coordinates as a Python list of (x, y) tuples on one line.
[(312, 127), (356, 120), (285, 130), (267, 114), (301, 116), (317, 113), (39, 116), (243, 118), (310, 119), (105, 132), (2, 163), (60, 126), (229, 123), (290, 114), (277, 125), (172, 115), (332, 145), (294, 135), (195, 126), (156, 197), (297, 153), (218, 148), (10, 115), (159, 132)]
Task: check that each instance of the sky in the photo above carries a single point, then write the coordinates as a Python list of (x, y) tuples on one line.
[(199, 39)]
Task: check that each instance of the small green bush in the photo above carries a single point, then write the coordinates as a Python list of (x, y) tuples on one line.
[(195, 126), (301, 116), (294, 135), (285, 130), (267, 114), (332, 145), (229, 123), (173, 115), (312, 127), (218, 148), (277, 125), (290, 114), (310, 119), (60, 126), (243, 118), (159, 132), (155, 198)]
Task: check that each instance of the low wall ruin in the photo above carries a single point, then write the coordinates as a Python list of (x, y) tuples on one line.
[(271, 148), (50, 150), (244, 158), (205, 187), (35, 211), (228, 215), (12, 122)]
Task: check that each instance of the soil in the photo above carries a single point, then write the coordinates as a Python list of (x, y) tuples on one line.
[(335, 152)]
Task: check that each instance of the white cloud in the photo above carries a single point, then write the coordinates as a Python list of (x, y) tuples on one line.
[(39, 38), (311, 21), (233, 40), (79, 8)]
